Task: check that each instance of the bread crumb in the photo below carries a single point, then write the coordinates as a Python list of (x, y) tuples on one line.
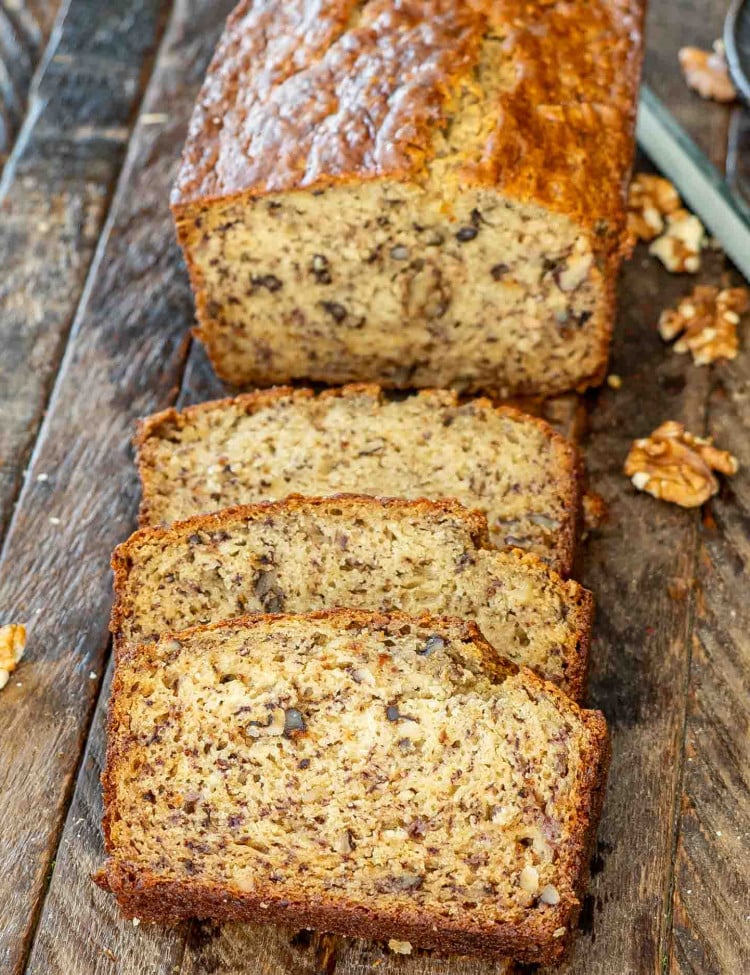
[(558, 932), (136, 922), (54, 521), (400, 947), (594, 511), (12, 646), (614, 381)]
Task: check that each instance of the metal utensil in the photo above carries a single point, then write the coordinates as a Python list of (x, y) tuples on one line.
[(670, 148), (737, 46)]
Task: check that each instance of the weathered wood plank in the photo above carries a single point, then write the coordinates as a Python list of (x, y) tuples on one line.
[(25, 27), (284, 951), (710, 908), (53, 199), (62, 945), (670, 26), (639, 657), (640, 673), (125, 359), (712, 886)]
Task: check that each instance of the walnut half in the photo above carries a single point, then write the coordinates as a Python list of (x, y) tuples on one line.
[(679, 247), (706, 323), (650, 199), (12, 646), (675, 466), (656, 213), (706, 72)]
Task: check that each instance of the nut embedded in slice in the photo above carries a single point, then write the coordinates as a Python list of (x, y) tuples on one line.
[(707, 73), (680, 245), (650, 199), (12, 646), (400, 947), (705, 323), (673, 465)]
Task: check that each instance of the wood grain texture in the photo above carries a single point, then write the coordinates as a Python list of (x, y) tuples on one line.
[(25, 27), (639, 656), (641, 563), (712, 884), (53, 199), (670, 26), (236, 949), (125, 359), (81, 929)]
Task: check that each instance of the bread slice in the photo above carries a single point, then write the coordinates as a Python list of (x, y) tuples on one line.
[(428, 193), (302, 555), (376, 776), (267, 445)]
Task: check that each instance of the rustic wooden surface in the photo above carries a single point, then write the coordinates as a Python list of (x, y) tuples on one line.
[(94, 312)]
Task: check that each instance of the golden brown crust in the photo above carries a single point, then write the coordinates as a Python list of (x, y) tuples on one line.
[(144, 895), (558, 133), (569, 468)]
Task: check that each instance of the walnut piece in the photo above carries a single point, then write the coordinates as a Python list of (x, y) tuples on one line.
[(650, 199), (400, 947), (12, 646), (707, 73), (706, 323), (675, 466), (679, 247)]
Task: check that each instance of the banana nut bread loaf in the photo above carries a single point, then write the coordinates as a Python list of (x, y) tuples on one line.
[(306, 554), (378, 776), (266, 445), (421, 193)]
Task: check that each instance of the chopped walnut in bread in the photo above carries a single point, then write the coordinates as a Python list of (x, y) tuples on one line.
[(400, 947), (12, 646), (673, 465), (705, 323), (707, 73), (650, 199), (679, 247)]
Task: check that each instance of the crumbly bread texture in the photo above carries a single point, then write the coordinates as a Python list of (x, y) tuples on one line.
[(266, 445), (422, 194), (302, 555), (378, 776)]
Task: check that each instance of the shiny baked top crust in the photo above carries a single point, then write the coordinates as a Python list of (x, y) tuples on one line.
[(305, 94)]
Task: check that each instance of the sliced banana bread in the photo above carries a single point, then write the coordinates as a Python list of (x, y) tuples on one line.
[(378, 776), (303, 554), (428, 193), (266, 445)]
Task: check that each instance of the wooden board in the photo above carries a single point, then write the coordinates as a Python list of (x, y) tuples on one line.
[(108, 342)]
